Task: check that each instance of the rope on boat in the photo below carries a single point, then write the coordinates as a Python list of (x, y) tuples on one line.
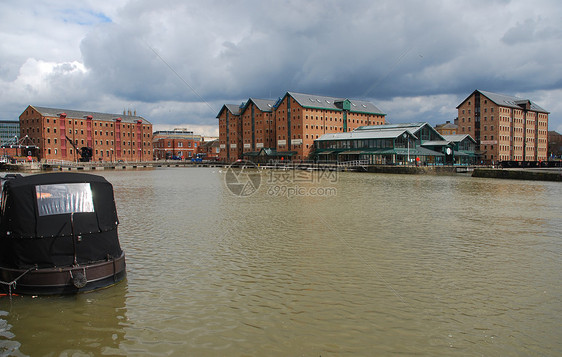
[(14, 282)]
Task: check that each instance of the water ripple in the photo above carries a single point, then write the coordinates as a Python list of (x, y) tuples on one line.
[(392, 264)]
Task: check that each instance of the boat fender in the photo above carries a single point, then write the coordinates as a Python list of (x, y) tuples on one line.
[(79, 279)]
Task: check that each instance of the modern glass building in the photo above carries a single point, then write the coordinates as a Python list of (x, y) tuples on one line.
[(414, 143), (9, 131)]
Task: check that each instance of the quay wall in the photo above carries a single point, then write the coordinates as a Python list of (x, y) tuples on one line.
[(413, 170), (537, 175)]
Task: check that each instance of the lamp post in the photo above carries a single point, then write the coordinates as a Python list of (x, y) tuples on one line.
[(405, 136)]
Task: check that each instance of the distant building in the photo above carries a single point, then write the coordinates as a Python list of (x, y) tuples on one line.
[(288, 127), (447, 129), (209, 150), (9, 135), (505, 128), (9, 131), (408, 143), (175, 144), (61, 134), (554, 145)]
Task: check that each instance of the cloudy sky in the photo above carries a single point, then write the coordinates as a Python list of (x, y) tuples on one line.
[(176, 62)]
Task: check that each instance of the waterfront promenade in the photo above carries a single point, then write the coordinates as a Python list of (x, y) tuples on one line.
[(523, 173)]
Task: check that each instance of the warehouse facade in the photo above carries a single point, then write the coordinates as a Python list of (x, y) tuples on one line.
[(62, 134), (285, 129)]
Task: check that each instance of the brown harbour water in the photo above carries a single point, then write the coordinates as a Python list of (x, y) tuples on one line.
[(346, 264)]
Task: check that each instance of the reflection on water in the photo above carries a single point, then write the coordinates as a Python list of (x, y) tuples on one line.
[(382, 264), (90, 324)]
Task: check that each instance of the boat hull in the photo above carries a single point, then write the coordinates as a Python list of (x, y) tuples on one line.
[(64, 280)]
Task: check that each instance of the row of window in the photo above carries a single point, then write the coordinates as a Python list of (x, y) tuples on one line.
[(107, 133), (55, 140), (98, 152), (178, 144), (101, 124), (363, 143)]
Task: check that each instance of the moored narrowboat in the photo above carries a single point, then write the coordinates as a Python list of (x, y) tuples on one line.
[(58, 234)]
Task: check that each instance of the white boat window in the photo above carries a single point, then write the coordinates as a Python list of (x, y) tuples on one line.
[(64, 198)]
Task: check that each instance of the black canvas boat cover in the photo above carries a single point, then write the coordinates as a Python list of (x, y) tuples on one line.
[(40, 215)]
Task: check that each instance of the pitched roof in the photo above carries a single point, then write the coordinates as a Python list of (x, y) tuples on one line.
[(233, 108), (207, 144), (367, 134), (265, 105), (415, 126), (333, 103), (81, 114), (458, 137), (436, 143), (446, 126), (507, 101)]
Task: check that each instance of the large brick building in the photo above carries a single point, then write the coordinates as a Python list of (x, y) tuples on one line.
[(58, 133), (288, 127), (505, 128)]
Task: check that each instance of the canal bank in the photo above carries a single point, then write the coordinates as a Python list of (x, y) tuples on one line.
[(413, 170), (536, 174), (520, 174)]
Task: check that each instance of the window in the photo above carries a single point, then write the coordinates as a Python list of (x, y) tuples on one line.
[(65, 198)]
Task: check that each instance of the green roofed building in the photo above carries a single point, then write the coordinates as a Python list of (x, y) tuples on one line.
[(414, 143)]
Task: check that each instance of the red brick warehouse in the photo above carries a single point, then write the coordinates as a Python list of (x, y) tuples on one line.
[(112, 137)]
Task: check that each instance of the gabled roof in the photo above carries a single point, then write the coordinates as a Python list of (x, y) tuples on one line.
[(413, 128), (436, 143), (232, 108), (507, 101), (207, 144), (264, 105), (446, 126), (367, 134), (458, 138), (81, 114), (333, 103)]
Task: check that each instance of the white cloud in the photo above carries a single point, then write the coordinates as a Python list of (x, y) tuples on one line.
[(42, 81), (178, 62)]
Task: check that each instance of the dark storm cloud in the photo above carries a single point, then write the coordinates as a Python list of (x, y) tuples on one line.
[(358, 49), (169, 58)]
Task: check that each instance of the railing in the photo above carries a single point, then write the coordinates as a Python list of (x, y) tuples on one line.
[(119, 164), (354, 163)]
